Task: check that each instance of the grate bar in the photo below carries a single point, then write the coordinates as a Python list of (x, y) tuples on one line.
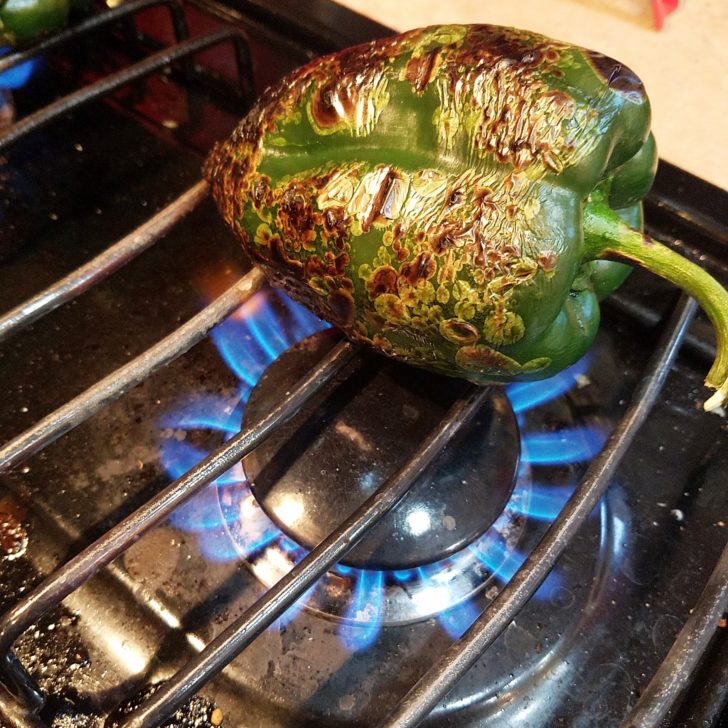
[(677, 669), (462, 654), (179, 23), (238, 635), (82, 567), (103, 265), (111, 387), (115, 80)]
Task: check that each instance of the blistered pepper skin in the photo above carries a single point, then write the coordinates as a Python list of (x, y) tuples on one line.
[(426, 192)]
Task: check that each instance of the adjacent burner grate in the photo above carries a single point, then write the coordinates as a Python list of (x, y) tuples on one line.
[(666, 685)]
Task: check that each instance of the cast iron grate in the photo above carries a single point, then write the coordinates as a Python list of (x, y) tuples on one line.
[(666, 685)]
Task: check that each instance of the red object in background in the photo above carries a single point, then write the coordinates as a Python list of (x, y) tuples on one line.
[(660, 9)]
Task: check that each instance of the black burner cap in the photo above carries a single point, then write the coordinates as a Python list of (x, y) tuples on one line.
[(318, 468)]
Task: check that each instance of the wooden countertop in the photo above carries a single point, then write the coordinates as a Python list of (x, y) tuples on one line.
[(684, 66)]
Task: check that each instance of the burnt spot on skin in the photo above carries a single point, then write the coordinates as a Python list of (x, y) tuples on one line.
[(508, 43), (261, 194), (419, 70), (340, 263), (503, 327), (546, 261), (392, 309), (336, 224), (314, 267), (280, 255), (387, 179), (382, 280), (483, 360), (421, 268), (617, 76), (531, 57), (382, 343), (333, 103), (458, 331), (498, 89), (295, 218), (443, 241)]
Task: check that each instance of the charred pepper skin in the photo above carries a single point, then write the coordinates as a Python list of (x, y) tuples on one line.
[(426, 194)]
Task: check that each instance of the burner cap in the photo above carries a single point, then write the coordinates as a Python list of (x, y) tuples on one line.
[(319, 467)]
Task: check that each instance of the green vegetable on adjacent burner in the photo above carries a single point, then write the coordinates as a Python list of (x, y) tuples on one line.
[(23, 21), (457, 197)]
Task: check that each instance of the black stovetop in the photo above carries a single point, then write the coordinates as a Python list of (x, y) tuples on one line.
[(577, 655)]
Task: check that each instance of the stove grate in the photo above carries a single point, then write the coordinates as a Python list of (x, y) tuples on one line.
[(666, 685)]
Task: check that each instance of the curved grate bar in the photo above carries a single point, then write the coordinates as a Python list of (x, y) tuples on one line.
[(95, 22), (111, 387), (463, 653), (677, 669), (240, 633), (103, 265), (116, 540), (110, 83)]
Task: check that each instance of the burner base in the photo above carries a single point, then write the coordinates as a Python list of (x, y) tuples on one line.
[(317, 469)]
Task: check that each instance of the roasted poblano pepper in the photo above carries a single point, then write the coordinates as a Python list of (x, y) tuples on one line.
[(456, 197)]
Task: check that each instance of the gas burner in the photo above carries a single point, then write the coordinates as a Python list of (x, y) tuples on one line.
[(312, 473), (448, 547), (315, 471)]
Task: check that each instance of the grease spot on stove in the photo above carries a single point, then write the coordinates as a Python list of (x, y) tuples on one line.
[(129, 463), (347, 703), (449, 523)]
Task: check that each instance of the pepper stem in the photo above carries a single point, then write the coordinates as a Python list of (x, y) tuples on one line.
[(607, 236)]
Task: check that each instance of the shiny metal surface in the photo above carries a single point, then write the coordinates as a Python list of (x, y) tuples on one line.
[(323, 464)]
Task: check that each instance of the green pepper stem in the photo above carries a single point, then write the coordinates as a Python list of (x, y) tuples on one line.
[(608, 237)]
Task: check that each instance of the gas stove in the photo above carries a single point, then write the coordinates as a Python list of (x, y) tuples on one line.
[(296, 530)]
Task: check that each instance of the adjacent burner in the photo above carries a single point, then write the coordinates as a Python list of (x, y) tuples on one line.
[(316, 470)]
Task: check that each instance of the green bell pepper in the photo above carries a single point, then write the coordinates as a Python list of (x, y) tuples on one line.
[(458, 197)]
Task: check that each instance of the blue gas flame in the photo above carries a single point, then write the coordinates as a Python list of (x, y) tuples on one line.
[(249, 341), (526, 396), (455, 621), (17, 76), (364, 611), (567, 445), (545, 502)]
